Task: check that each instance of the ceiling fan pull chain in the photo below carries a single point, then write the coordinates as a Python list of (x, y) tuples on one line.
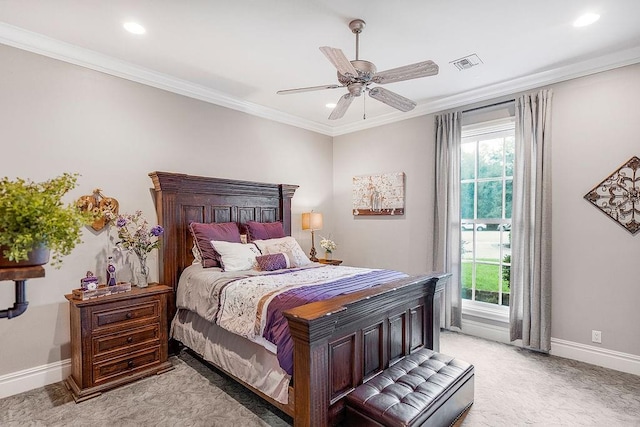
[(364, 107)]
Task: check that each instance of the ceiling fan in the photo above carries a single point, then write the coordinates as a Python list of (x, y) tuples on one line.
[(358, 75)]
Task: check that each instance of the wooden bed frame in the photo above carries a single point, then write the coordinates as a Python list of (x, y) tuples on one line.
[(339, 343)]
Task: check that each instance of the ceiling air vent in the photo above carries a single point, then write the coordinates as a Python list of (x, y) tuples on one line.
[(467, 62)]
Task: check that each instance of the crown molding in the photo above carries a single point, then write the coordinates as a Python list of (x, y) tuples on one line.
[(46, 46), (510, 87)]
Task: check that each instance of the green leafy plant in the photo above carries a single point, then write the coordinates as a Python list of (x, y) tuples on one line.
[(506, 271), (33, 214)]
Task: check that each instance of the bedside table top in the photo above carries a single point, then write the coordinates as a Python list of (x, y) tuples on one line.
[(330, 261), (152, 289)]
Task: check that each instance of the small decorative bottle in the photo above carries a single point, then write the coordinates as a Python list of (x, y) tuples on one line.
[(111, 272)]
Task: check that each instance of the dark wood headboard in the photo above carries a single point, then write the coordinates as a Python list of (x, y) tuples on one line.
[(181, 199)]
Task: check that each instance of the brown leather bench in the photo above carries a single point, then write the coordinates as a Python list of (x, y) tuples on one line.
[(424, 389)]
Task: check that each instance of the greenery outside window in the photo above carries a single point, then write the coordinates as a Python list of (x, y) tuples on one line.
[(486, 189)]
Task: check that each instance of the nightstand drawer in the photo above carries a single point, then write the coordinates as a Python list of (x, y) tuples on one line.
[(112, 368), (112, 343), (125, 315)]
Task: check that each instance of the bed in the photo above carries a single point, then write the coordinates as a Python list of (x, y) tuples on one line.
[(338, 343)]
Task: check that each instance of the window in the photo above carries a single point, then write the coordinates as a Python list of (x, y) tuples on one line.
[(486, 185)]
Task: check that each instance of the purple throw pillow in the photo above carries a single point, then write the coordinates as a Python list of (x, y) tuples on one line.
[(264, 230), (203, 234), (273, 262)]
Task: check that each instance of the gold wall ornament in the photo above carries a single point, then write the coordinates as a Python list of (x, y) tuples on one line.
[(618, 196), (99, 206)]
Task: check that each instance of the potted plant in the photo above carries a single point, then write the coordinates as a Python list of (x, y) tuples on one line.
[(34, 221)]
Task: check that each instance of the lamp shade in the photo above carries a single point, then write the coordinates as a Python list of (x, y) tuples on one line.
[(312, 221)]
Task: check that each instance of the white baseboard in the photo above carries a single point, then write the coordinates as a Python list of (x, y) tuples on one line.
[(28, 379), (486, 331), (40, 376), (611, 359)]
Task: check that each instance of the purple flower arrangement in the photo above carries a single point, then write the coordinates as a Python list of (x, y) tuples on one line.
[(135, 235)]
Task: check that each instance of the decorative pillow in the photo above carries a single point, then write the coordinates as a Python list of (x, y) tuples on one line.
[(236, 256), (277, 261), (284, 244), (197, 258), (203, 234), (264, 230)]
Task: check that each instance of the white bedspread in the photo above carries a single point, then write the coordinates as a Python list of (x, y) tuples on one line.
[(237, 301)]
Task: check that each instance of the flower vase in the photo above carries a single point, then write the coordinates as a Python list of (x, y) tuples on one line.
[(327, 255), (141, 272)]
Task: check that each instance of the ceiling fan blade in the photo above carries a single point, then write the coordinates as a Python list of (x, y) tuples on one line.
[(408, 72), (307, 89), (337, 58), (392, 99), (341, 108)]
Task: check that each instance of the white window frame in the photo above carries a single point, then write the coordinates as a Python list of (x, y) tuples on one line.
[(479, 309)]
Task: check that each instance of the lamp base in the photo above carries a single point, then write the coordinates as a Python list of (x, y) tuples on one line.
[(312, 254)]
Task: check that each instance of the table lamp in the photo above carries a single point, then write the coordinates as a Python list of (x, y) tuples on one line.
[(312, 221)]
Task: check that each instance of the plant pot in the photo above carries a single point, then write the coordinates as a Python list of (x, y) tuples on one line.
[(38, 256)]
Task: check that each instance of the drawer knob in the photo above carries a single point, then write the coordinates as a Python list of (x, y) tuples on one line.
[(129, 315), (130, 340), (130, 364)]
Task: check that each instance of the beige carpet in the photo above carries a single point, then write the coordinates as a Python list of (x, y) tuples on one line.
[(514, 387)]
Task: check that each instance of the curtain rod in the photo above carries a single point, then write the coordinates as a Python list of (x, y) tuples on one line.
[(488, 106)]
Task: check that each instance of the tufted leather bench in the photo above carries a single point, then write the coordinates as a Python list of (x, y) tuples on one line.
[(424, 389)]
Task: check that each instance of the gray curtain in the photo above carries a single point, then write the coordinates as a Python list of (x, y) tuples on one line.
[(530, 301), (446, 245)]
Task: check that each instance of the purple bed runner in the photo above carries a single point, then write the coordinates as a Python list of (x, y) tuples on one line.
[(277, 329)]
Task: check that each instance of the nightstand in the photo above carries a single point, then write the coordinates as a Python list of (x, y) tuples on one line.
[(330, 261), (117, 339)]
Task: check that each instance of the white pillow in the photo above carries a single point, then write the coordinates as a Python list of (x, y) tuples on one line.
[(283, 244), (236, 256)]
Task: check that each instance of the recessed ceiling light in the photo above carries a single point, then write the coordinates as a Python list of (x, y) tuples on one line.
[(134, 28), (586, 19), (330, 105)]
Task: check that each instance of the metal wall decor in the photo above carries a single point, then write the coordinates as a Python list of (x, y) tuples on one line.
[(618, 196)]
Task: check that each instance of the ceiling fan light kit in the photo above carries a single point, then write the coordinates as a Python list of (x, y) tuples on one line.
[(358, 75)]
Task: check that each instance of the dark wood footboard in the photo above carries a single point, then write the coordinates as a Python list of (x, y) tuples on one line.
[(339, 343), (343, 342)]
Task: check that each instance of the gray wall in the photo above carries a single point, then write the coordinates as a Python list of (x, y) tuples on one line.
[(596, 263), (57, 117), (402, 243)]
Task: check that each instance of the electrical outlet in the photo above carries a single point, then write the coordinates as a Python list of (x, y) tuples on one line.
[(596, 336)]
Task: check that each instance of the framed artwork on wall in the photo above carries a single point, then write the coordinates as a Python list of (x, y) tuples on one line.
[(618, 196), (381, 194)]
